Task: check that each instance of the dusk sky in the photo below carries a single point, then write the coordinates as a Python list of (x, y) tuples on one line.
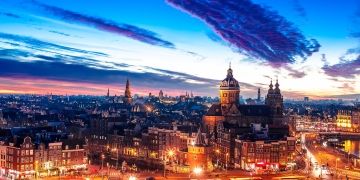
[(85, 47)]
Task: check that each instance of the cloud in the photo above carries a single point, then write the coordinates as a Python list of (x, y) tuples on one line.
[(57, 32), (39, 45), (252, 29), (295, 73), (346, 87), (346, 69), (126, 30), (9, 15), (214, 37), (299, 8)]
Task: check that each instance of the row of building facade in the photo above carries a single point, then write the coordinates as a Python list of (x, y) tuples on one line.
[(24, 159), (232, 135)]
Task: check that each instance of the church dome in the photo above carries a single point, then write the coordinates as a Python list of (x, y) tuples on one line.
[(229, 82)]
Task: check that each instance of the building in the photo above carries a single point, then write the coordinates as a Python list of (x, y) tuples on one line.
[(20, 159), (198, 154), (229, 120), (73, 155), (127, 96), (229, 109), (23, 159), (48, 158), (259, 155), (3, 151), (348, 120)]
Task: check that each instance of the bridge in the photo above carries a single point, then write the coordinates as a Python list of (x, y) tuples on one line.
[(345, 135)]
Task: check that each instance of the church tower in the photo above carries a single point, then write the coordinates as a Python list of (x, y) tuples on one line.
[(274, 99), (229, 90), (127, 95), (161, 95)]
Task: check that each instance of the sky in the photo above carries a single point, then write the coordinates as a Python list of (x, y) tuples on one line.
[(86, 47)]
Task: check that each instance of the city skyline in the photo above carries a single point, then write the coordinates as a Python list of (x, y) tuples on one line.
[(177, 46)]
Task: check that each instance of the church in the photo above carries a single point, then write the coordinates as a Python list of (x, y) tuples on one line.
[(230, 121), (230, 110)]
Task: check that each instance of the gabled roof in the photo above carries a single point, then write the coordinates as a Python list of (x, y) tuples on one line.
[(214, 110)]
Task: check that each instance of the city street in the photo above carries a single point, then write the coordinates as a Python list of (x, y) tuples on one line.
[(334, 163)]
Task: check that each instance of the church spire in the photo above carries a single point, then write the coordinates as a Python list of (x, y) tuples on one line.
[(127, 95), (277, 89), (127, 90), (271, 90), (108, 93), (229, 71)]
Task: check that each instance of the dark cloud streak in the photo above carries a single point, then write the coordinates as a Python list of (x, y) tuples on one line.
[(9, 15), (252, 29), (299, 8), (126, 30)]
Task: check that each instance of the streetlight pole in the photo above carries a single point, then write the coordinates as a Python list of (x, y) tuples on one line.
[(164, 166), (217, 157), (102, 166), (117, 157), (226, 161), (169, 153)]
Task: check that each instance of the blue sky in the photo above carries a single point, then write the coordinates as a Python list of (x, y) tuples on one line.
[(85, 47)]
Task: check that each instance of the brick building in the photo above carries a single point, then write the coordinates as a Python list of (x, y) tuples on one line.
[(264, 154)]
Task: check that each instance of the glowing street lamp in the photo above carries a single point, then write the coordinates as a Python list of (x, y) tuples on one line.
[(170, 153), (197, 171), (226, 159), (132, 178), (217, 151)]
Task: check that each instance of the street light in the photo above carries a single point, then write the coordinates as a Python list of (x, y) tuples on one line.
[(217, 157), (170, 153), (197, 171), (102, 166), (226, 161), (336, 170), (117, 157)]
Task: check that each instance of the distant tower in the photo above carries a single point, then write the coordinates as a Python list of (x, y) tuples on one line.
[(198, 155), (108, 93), (161, 94), (274, 99), (127, 96), (229, 90), (259, 96), (191, 95)]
